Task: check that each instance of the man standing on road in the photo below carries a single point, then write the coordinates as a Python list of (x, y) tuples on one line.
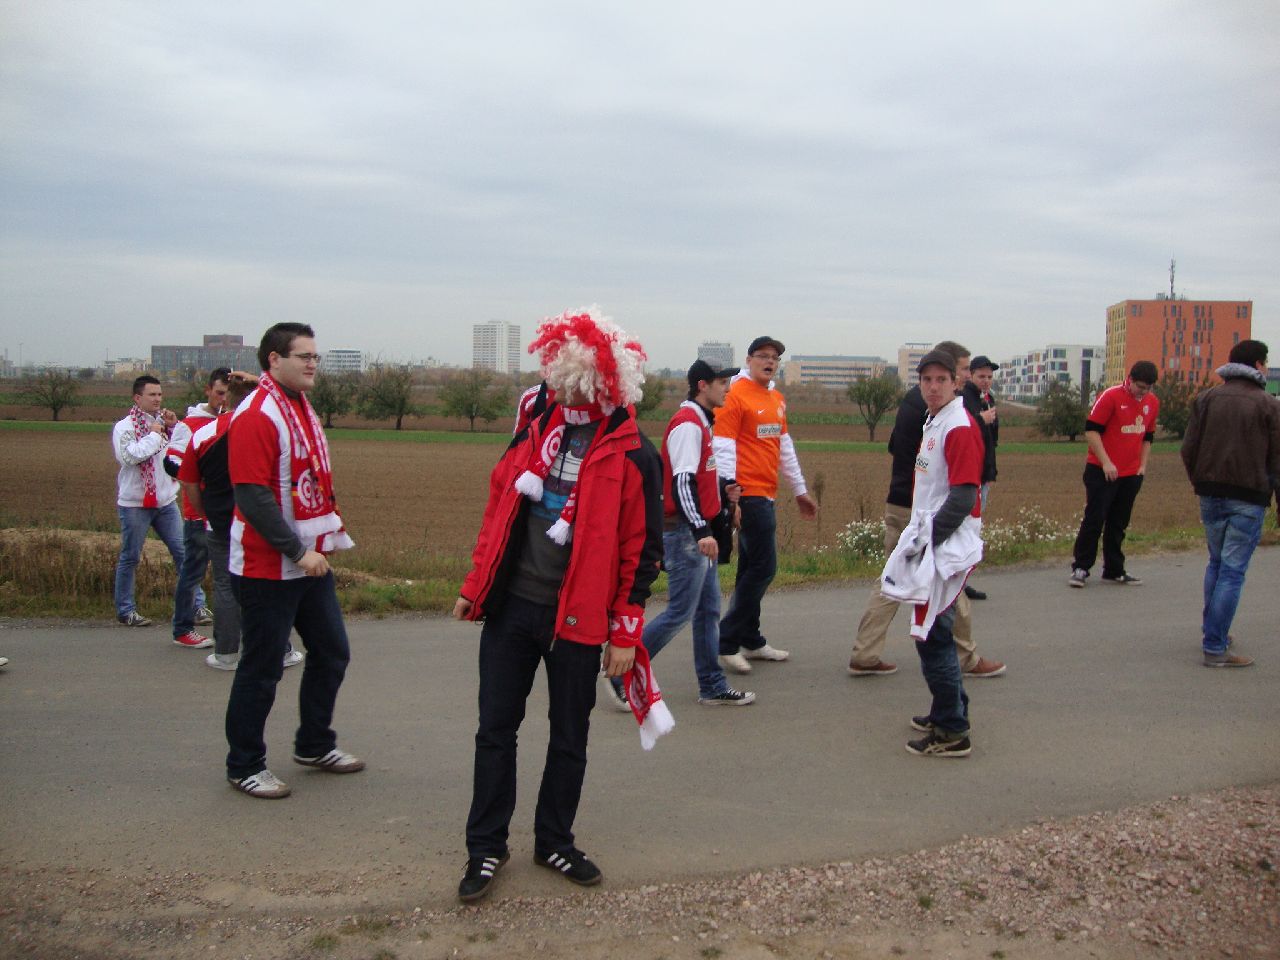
[(566, 554), (1120, 430), (939, 547), (286, 523), (696, 521), (982, 407), (195, 550), (1232, 454), (873, 629), (751, 446), (145, 495)]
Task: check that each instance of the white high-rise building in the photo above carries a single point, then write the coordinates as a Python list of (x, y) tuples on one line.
[(909, 357), (342, 360), (496, 346), (718, 353), (1026, 377)]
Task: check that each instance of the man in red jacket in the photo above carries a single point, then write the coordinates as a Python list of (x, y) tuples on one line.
[(567, 551)]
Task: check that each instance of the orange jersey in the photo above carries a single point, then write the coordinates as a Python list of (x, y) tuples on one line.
[(755, 418)]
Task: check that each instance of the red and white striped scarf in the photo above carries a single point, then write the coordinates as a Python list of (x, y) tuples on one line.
[(544, 449), (147, 468)]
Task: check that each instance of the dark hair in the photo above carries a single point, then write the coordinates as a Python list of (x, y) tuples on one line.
[(1250, 352), (238, 388), (278, 339), (219, 373), (141, 382), (1144, 371), (953, 348)]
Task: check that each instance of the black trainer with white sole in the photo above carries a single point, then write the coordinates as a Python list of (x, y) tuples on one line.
[(936, 744), (729, 698), (479, 877), (573, 864)]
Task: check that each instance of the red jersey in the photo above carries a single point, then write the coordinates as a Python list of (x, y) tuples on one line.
[(1125, 424)]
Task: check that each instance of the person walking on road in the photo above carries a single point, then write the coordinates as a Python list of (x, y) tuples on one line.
[(1232, 454), (567, 552), (752, 445), (982, 406), (285, 525), (1120, 430)]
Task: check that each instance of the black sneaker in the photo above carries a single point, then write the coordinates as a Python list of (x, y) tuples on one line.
[(936, 744), (573, 863), (923, 724), (729, 698), (973, 593), (479, 877), (1124, 580)]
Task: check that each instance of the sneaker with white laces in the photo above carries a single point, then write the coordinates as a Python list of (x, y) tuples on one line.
[(1078, 577), (223, 661), (613, 696), (134, 619), (573, 864), (478, 877), (937, 744), (263, 784), (204, 616), (292, 658), (193, 640), (1124, 580), (767, 653), (335, 761), (735, 662), (728, 698)]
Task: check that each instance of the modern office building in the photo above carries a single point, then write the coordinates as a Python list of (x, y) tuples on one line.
[(836, 372), (1025, 377), (343, 360), (218, 350), (909, 356), (718, 353), (496, 346), (1186, 338)]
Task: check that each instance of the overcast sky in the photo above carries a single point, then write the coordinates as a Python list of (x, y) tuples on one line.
[(843, 176)]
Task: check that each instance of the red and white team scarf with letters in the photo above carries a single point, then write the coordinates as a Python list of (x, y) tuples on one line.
[(147, 468), (544, 449), (645, 700), (315, 508)]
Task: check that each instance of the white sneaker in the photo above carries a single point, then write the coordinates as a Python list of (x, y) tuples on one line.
[(767, 653), (223, 661), (292, 658), (335, 761), (735, 662), (613, 697), (4, 661), (262, 784)]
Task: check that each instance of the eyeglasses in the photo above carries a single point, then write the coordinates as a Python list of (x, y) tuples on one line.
[(308, 358), (765, 356)]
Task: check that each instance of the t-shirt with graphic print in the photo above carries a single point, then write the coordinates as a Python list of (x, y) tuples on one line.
[(543, 562)]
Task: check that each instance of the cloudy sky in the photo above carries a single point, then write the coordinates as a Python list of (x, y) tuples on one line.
[(843, 176)]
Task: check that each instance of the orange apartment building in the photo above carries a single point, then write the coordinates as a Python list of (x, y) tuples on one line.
[(1188, 338)]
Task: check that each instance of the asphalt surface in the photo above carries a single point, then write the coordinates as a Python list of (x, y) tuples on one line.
[(114, 750)]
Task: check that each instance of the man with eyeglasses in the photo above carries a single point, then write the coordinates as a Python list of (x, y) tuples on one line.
[(752, 446), (286, 522), (1120, 430)]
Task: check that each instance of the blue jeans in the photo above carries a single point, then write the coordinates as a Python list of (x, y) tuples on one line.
[(513, 642), (269, 610), (1232, 529), (695, 595), (757, 563), (226, 610), (190, 574), (949, 711), (134, 524)]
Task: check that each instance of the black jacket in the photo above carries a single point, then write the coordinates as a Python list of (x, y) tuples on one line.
[(974, 404), (904, 444)]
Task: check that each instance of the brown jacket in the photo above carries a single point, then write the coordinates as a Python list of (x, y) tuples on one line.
[(1232, 444)]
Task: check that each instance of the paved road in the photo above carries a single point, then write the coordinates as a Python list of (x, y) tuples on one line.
[(114, 750)]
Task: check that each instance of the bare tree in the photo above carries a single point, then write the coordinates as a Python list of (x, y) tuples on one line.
[(334, 394), (472, 396), (54, 390), (388, 392)]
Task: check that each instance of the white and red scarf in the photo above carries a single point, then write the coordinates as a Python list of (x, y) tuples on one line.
[(315, 508), (147, 468), (544, 449), (645, 700)]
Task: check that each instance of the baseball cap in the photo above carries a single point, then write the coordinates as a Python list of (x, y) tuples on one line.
[(759, 342), (701, 370), (982, 360), (940, 357)]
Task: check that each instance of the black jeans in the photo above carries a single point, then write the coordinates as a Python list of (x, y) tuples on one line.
[(269, 610), (1107, 508), (757, 564), (513, 642)]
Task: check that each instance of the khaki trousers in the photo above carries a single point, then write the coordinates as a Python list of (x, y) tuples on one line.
[(873, 629)]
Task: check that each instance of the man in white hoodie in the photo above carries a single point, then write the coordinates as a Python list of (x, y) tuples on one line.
[(939, 547), (145, 495)]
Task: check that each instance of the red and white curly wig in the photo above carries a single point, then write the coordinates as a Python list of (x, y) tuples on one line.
[(589, 353)]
